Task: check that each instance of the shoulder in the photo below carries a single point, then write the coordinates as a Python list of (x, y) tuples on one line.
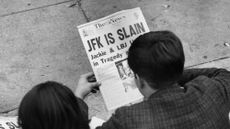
[(208, 88), (202, 83)]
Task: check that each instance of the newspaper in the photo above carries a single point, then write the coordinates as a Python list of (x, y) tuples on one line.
[(95, 122), (9, 122), (106, 42)]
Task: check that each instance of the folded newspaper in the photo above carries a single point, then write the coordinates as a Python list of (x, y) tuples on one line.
[(106, 42)]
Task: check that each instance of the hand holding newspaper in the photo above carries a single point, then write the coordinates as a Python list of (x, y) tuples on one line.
[(106, 42)]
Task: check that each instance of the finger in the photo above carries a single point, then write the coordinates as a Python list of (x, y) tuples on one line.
[(87, 75), (95, 84), (96, 88), (93, 91), (92, 79)]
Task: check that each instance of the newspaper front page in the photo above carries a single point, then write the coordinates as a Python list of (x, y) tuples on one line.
[(106, 42)]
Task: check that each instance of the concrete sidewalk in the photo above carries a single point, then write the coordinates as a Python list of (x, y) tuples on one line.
[(39, 39)]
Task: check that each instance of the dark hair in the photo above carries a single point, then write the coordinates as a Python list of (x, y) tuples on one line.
[(157, 57), (51, 105)]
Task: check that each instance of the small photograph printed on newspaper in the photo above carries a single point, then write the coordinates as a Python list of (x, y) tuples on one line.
[(107, 41), (126, 75)]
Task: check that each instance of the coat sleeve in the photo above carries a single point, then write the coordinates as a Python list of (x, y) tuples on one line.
[(220, 77), (190, 74), (83, 107)]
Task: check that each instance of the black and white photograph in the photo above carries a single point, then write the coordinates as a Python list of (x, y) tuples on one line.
[(70, 64)]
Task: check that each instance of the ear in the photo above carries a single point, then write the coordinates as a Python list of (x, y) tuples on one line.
[(140, 82)]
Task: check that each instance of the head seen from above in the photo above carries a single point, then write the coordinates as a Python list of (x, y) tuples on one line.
[(51, 105), (157, 58)]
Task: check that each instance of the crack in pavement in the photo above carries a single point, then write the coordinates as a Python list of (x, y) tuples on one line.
[(22, 11), (78, 3)]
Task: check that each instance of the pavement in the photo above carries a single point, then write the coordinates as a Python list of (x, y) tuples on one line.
[(39, 40)]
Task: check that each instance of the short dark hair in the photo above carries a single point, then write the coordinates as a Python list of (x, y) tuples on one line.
[(51, 105), (157, 57)]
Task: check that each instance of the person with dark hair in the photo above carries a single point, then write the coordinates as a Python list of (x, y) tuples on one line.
[(174, 98), (51, 105), (157, 57)]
